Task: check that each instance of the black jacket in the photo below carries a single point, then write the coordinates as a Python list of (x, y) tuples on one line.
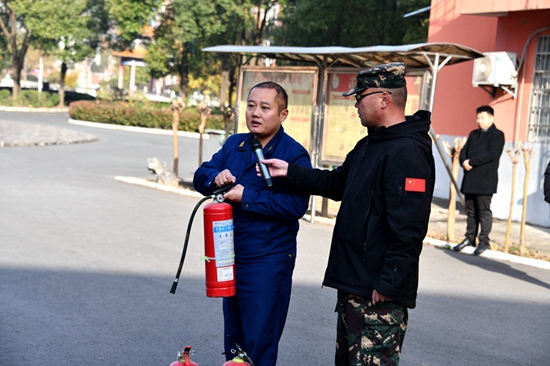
[(484, 150), (385, 184), (546, 186)]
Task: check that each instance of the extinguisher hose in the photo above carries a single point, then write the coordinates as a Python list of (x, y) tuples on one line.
[(185, 243)]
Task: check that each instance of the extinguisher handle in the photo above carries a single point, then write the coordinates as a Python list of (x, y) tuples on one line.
[(223, 189), (187, 352)]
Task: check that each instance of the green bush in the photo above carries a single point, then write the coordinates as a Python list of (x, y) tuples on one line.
[(6, 98), (29, 98), (140, 114)]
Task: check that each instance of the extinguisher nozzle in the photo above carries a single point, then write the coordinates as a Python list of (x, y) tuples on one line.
[(174, 286)]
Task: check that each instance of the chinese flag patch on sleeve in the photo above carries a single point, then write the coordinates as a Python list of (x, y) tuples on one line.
[(415, 185)]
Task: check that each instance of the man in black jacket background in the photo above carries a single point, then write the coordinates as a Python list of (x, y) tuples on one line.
[(385, 184), (546, 185), (480, 158)]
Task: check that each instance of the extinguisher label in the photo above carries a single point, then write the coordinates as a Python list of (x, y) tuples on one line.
[(223, 243), (225, 274)]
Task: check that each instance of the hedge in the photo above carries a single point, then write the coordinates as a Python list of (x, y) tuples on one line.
[(29, 98), (139, 114)]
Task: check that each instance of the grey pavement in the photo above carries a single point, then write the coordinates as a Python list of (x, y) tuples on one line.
[(87, 261)]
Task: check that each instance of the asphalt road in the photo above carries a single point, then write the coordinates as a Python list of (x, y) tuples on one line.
[(87, 262)]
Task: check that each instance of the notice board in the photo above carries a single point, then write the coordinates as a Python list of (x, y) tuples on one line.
[(342, 127), (301, 87)]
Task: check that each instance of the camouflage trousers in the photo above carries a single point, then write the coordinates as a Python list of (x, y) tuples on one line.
[(369, 334)]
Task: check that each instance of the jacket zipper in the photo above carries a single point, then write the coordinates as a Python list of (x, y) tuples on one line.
[(400, 195), (367, 216), (393, 275)]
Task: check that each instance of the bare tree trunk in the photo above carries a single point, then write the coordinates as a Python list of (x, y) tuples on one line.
[(224, 88), (204, 111), (228, 115), (18, 60), (10, 30), (232, 83), (454, 153), (515, 159), (62, 85), (451, 219), (177, 107), (527, 156), (183, 68), (175, 123), (16, 77)]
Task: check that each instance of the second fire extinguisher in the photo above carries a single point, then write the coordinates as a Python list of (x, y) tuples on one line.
[(184, 358)]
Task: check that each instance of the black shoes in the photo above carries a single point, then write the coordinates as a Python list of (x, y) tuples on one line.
[(463, 244), (481, 248)]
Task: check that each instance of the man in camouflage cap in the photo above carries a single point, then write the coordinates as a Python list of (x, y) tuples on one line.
[(388, 76), (386, 185)]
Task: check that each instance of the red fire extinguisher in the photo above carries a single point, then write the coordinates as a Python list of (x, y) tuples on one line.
[(183, 358), (218, 244), (219, 251)]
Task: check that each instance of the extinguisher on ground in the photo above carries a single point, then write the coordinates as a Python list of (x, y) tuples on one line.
[(184, 358), (218, 246), (240, 356)]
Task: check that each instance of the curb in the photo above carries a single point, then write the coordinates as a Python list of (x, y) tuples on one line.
[(492, 254), (32, 109), (326, 221), (162, 187)]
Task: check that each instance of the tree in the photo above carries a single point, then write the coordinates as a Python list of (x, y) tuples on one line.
[(128, 19), (351, 23), (263, 26), (17, 37), (69, 30), (246, 22), (184, 27)]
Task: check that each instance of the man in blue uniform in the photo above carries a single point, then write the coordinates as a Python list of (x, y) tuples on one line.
[(265, 224), (385, 184)]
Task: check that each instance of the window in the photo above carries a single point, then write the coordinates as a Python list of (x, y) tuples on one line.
[(539, 112)]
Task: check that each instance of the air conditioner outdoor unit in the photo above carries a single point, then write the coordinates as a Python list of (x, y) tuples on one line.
[(496, 68)]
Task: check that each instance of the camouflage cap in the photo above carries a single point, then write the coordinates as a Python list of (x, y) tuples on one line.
[(388, 76)]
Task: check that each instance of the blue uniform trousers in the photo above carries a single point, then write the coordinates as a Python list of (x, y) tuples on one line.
[(256, 316)]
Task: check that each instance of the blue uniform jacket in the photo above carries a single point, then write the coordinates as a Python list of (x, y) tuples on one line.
[(266, 221)]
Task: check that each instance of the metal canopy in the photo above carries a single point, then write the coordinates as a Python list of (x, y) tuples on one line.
[(415, 56), (431, 56)]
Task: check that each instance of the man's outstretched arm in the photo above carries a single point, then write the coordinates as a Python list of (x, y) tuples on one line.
[(277, 167)]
